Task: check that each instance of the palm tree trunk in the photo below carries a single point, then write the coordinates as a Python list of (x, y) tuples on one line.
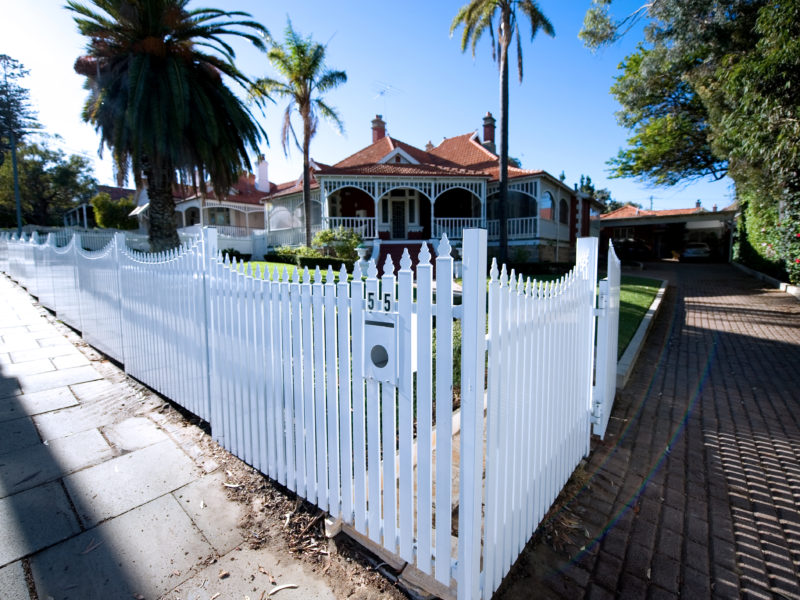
[(163, 233), (306, 184), (505, 39)]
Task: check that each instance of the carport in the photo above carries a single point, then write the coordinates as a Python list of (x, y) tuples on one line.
[(666, 232)]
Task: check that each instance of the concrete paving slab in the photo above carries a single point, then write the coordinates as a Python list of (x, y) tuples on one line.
[(136, 553), (12, 582), (31, 367), (17, 434), (246, 581), (9, 387), (46, 381), (206, 502), (118, 485), (134, 433), (37, 403), (19, 356), (70, 360), (34, 519), (5, 358), (16, 343), (53, 340), (32, 466)]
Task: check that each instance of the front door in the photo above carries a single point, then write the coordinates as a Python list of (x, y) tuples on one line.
[(399, 219)]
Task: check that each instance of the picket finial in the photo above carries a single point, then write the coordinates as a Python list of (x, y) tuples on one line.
[(343, 274), (317, 275), (444, 247), (520, 284), (257, 272), (227, 260), (372, 270), (357, 271), (424, 257), (329, 277), (405, 260), (296, 276), (306, 276), (388, 266), (503, 276), (528, 287), (285, 274), (493, 273)]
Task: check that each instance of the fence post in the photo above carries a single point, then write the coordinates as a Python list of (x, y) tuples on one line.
[(587, 250), (473, 361), (209, 254)]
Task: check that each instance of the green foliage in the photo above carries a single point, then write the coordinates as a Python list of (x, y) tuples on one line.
[(324, 262), (16, 115), (157, 96), (343, 242), (114, 215), (232, 254), (49, 183), (305, 80), (757, 239)]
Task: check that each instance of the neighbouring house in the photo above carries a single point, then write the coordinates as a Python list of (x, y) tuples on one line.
[(395, 194), (665, 233), (238, 213)]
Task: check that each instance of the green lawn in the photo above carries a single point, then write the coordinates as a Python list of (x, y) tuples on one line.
[(636, 295), (270, 266)]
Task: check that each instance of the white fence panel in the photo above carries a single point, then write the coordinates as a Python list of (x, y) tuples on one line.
[(66, 294), (605, 388), (98, 286), (164, 322)]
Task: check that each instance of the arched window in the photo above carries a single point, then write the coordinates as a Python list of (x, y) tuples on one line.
[(563, 212), (546, 207)]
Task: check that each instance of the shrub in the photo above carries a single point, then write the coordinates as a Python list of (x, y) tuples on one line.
[(343, 242), (114, 215), (324, 262)]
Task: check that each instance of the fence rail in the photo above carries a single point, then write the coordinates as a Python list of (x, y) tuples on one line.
[(343, 390)]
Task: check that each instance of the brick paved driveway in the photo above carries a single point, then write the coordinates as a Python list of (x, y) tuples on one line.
[(696, 489)]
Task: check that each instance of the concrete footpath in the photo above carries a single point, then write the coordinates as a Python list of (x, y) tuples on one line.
[(102, 494)]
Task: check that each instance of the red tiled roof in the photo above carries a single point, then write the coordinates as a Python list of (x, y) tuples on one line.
[(242, 192), (632, 212), (116, 193)]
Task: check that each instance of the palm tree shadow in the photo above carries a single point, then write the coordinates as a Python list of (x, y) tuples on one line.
[(40, 529)]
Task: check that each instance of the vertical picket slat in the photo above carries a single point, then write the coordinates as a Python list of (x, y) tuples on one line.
[(424, 409), (373, 432), (345, 406), (444, 409), (389, 426), (359, 414), (334, 496), (405, 433), (297, 380), (307, 325), (493, 532), (320, 405)]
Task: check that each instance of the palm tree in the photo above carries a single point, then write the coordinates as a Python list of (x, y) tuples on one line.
[(154, 70), (477, 18), (301, 62)]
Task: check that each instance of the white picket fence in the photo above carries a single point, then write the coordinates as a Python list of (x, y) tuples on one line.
[(321, 384)]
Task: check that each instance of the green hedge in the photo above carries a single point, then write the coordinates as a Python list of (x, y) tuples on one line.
[(323, 263)]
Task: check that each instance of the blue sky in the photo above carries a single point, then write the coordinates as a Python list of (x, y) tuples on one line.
[(401, 63)]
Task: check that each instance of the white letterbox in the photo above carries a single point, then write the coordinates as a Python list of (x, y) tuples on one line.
[(380, 347)]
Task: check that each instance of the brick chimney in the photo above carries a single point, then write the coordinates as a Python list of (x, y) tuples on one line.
[(698, 204), (378, 128), (429, 146), (488, 132)]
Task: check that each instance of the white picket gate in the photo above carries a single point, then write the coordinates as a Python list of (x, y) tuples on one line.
[(343, 390)]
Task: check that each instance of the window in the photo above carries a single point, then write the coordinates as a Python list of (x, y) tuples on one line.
[(546, 207), (563, 212)]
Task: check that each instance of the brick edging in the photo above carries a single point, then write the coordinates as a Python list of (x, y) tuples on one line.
[(626, 364)]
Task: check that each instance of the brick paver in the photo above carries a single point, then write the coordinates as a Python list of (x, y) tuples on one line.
[(696, 490)]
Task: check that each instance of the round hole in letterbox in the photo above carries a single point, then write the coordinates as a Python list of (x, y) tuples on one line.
[(379, 356)]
